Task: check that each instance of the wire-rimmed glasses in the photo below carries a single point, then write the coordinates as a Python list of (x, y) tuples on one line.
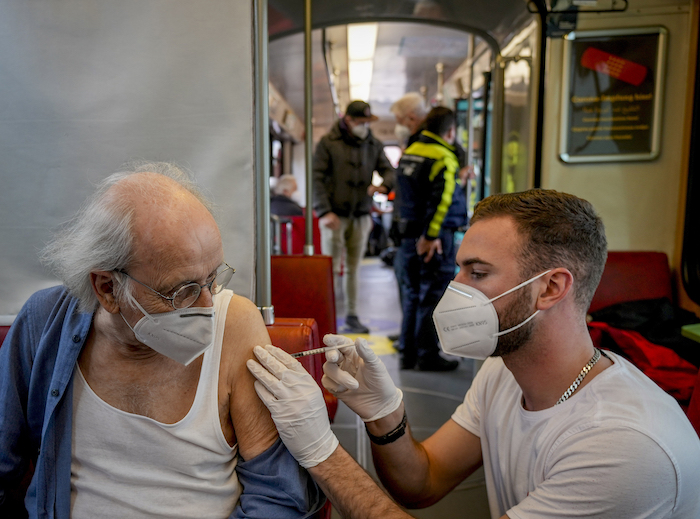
[(187, 295)]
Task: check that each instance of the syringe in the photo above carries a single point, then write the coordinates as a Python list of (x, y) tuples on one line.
[(319, 350)]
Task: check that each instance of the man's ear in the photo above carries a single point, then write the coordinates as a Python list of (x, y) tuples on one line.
[(103, 285), (555, 286)]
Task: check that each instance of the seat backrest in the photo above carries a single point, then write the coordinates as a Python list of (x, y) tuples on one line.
[(302, 286), (298, 230), (633, 276)]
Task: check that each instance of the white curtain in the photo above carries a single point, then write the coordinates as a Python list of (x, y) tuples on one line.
[(86, 85)]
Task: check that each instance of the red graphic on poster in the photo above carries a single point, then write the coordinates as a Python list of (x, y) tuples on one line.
[(614, 66)]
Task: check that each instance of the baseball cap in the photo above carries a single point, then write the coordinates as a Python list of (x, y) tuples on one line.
[(360, 109)]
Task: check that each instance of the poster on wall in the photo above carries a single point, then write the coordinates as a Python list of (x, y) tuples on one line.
[(612, 89)]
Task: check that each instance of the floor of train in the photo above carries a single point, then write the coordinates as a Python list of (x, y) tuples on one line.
[(430, 398)]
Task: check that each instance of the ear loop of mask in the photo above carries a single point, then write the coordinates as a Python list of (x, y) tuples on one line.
[(132, 300), (513, 290)]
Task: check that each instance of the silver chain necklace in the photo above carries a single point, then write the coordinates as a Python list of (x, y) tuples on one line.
[(581, 376)]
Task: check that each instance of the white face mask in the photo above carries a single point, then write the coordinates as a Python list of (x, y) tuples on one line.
[(183, 335), (360, 131), (402, 133), (467, 323)]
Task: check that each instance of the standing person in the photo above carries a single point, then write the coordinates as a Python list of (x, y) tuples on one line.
[(126, 387), (281, 202), (409, 112), (432, 206), (561, 428), (344, 161)]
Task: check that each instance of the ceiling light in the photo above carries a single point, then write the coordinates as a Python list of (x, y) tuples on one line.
[(362, 42)]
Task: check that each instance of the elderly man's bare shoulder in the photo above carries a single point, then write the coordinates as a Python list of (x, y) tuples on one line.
[(244, 326), (244, 329)]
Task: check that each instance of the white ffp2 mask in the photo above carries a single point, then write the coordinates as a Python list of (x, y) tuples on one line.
[(183, 335), (467, 323), (360, 131)]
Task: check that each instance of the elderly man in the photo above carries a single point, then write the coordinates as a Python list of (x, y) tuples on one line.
[(281, 202), (344, 162), (561, 428), (127, 386), (410, 114)]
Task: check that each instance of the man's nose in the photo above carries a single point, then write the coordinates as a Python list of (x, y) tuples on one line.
[(205, 298)]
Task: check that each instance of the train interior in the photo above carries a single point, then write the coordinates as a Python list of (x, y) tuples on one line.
[(240, 93)]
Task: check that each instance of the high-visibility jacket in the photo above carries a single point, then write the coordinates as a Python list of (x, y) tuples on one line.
[(431, 197)]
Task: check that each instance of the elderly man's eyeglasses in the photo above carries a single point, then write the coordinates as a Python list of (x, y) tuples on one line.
[(187, 295)]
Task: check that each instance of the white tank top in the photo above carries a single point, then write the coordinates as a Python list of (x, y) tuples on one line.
[(127, 465)]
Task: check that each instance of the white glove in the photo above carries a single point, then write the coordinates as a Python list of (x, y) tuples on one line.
[(359, 378), (296, 404)]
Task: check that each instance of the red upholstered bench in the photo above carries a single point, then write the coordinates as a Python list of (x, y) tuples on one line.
[(635, 276)]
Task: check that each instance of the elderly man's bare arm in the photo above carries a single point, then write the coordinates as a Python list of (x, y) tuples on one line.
[(242, 412)]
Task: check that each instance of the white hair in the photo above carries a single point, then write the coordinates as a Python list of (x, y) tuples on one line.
[(411, 102), (100, 236), (286, 182)]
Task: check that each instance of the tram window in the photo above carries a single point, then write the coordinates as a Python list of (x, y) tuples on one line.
[(516, 126)]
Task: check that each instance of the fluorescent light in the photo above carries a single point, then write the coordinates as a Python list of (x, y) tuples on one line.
[(359, 92), (362, 40), (360, 71)]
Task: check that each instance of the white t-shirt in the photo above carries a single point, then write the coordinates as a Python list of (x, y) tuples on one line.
[(618, 448)]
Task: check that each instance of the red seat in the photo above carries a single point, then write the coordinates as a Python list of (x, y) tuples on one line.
[(3, 333), (294, 335), (694, 406), (633, 276), (298, 231), (302, 286)]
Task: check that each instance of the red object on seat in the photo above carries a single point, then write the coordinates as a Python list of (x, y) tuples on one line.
[(664, 366), (694, 407), (3, 333), (633, 276)]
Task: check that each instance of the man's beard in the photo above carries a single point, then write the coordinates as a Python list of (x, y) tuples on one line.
[(513, 315)]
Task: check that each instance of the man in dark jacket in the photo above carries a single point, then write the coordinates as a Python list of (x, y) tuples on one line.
[(344, 161), (432, 206)]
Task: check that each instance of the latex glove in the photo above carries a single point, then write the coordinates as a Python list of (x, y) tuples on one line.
[(296, 404), (359, 378)]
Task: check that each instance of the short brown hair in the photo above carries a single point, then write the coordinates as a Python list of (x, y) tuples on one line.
[(560, 230)]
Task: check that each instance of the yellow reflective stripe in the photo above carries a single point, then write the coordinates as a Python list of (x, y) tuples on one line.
[(445, 202), (445, 162)]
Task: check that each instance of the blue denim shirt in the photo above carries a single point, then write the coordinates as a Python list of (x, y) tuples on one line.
[(37, 361)]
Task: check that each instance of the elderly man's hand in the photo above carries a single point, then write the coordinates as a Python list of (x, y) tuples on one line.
[(296, 404), (359, 378)]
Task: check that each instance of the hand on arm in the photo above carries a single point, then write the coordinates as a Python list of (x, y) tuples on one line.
[(296, 404)]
